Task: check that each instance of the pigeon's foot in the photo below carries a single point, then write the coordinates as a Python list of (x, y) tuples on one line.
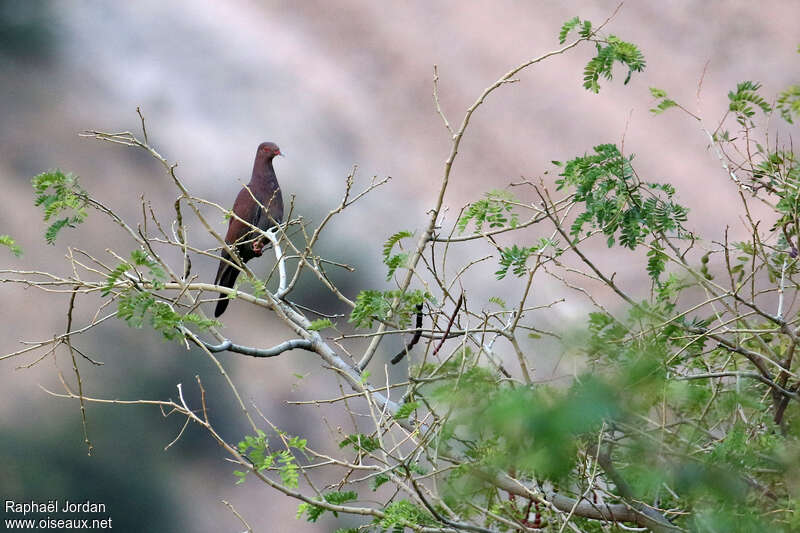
[(258, 247)]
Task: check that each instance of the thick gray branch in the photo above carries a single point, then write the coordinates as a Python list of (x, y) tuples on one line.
[(278, 349), (737, 375), (609, 512)]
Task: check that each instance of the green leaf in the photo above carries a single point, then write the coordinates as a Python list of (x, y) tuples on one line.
[(199, 322), (498, 301), (394, 239), (616, 203), (405, 410), (378, 480), (59, 194), (307, 508), (289, 471), (403, 513), (9, 243), (663, 105), (370, 304), (298, 443), (398, 260), (495, 210), (788, 103), (138, 308), (320, 324), (313, 512), (137, 258), (744, 98), (259, 287), (374, 305), (656, 261), (360, 442), (515, 257), (613, 50), (255, 449), (586, 30), (394, 262), (567, 27), (114, 277)]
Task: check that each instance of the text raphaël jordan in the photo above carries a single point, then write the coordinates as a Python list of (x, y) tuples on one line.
[(54, 506)]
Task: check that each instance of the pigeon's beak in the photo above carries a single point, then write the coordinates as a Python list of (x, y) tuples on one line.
[(281, 154)]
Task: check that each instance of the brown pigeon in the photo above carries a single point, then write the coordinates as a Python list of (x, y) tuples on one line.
[(264, 187)]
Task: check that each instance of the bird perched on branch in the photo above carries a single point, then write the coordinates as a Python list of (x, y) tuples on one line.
[(263, 189)]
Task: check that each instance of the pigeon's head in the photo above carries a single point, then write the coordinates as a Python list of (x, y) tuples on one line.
[(268, 150)]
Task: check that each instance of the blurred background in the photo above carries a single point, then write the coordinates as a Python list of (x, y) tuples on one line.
[(334, 84)]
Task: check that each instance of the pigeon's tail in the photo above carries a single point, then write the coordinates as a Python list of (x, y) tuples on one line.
[(226, 276)]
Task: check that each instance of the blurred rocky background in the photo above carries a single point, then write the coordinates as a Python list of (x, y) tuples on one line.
[(334, 84)]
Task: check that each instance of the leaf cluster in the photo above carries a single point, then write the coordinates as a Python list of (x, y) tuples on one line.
[(402, 513), (320, 324), (374, 305), (138, 258), (397, 260), (60, 194), (405, 410), (496, 210), (361, 442), (664, 103), (516, 257), (742, 100), (779, 172), (138, 306), (313, 512), (584, 29), (10, 243), (616, 203), (256, 450), (788, 103), (612, 50)]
